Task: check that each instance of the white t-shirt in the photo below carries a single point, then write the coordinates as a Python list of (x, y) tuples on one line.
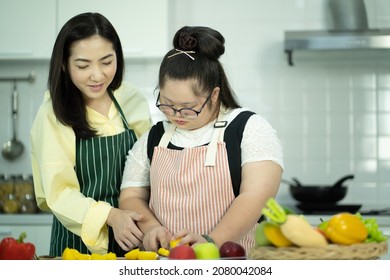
[(259, 143)]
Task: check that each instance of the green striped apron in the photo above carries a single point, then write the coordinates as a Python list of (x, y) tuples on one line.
[(99, 166)]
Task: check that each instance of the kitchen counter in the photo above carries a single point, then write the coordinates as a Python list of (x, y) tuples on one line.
[(45, 220)]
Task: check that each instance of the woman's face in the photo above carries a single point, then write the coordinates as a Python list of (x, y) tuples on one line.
[(180, 94), (92, 67)]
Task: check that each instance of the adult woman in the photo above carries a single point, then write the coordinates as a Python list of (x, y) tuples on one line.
[(215, 163), (88, 120)]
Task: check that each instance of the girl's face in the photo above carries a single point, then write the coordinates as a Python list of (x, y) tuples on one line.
[(92, 67), (179, 94)]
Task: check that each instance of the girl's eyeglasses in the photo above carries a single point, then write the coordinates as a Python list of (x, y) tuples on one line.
[(184, 112)]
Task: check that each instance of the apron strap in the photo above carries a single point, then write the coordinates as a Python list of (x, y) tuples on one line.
[(219, 130), (121, 114), (218, 134), (167, 136)]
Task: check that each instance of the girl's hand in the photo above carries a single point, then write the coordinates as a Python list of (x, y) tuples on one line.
[(156, 237), (187, 237)]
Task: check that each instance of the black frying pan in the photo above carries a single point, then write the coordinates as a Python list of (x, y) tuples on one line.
[(319, 193)]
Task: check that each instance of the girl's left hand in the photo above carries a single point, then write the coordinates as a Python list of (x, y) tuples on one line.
[(156, 237), (188, 237)]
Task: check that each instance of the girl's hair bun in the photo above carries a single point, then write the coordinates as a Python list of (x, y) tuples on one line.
[(187, 42), (203, 40)]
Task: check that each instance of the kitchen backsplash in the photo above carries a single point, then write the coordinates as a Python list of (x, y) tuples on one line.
[(331, 109)]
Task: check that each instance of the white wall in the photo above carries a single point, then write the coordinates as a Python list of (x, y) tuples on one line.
[(331, 110)]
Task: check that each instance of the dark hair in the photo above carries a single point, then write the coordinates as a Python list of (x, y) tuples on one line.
[(207, 45), (68, 104)]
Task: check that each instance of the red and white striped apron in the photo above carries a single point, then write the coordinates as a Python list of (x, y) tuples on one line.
[(192, 188)]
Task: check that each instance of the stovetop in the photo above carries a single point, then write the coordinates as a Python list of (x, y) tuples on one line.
[(380, 212), (317, 208), (330, 209)]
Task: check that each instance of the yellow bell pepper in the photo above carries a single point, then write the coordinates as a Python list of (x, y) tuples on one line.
[(132, 255), (147, 255), (108, 256), (137, 254), (163, 252), (73, 254), (345, 229)]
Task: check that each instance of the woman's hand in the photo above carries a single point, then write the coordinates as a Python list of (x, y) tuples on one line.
[(126, 232), (155, 237)]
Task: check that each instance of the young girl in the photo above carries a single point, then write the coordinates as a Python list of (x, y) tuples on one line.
[(206, 172)]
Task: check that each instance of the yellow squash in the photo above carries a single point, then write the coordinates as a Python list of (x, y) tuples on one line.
[(274, 234), (294, 227)]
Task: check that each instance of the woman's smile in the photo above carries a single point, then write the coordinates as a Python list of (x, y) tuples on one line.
[(96, 88)]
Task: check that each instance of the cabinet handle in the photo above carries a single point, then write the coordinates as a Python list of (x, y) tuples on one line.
[(5, 233)]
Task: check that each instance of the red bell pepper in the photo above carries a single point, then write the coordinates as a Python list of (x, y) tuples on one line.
[(16, 249)]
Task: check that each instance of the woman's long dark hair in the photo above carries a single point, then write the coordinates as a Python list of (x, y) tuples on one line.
[(205, 45), (68, 104)]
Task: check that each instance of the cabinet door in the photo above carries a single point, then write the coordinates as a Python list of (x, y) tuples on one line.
[(39, 235), (27, 28), (142, 25)]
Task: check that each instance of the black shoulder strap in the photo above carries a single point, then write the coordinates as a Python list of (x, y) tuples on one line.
[(154, 137), (232, 137)]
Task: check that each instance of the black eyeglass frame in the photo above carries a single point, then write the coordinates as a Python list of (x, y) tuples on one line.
[(197, 112)]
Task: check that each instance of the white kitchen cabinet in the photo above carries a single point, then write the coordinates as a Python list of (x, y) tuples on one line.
[(142, 25), (27, 28), (36, 226)]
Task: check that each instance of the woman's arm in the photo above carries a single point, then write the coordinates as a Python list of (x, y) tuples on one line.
[(135, 195), (56, 184)]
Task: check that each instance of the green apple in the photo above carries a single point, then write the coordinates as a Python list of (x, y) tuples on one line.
[(260, 238), (206, 251)]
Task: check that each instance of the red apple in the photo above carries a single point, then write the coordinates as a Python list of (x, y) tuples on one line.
[(232, 250), (182, 252)]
